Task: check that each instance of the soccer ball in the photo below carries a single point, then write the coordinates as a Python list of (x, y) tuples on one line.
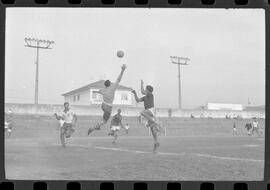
[(120, 54)]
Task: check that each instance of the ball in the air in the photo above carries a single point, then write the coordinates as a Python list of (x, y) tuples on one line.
[(120, 54)]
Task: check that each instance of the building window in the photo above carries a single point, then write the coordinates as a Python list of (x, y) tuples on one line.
[(124, 96), (74, 98), (78, 97), (96, 96)]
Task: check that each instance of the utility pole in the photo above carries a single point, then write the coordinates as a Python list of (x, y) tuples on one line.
[(179, 61), (38, 44)]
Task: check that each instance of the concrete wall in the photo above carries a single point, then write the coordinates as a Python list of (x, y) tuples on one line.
[(128, 111)]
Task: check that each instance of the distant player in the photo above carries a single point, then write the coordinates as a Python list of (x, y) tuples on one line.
[(8, 123), (8, 128), (126, 128), (248, 126), (69, 120), (234, 129), (148, 113), (256, 127), (116, 125), (108, 97)]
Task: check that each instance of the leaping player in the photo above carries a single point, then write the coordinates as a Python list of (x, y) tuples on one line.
[(108, 97), (148, 113), (69, 120)]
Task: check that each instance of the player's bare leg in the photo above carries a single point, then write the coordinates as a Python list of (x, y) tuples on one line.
[(154, 134), (96, 127), (69, 131), (151, 119), (105, 118), (62, 136), (115, 135)]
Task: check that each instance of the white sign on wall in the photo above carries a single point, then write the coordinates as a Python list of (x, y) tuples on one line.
[(220, 106)]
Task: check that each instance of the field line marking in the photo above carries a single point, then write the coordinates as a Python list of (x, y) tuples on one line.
[(171, 153), (183, 154), (226, 158), (252, 145), (121, 149)]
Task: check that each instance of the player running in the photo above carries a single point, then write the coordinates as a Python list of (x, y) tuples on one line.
[(8, 123), (248, 126), (116, 125), (256, 127), (148, 113), (108, 97), (69, 120), (126, 128), (234, 129)]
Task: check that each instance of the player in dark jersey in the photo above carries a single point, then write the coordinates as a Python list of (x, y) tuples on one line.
[(248, 126), (116, 125), (149, 111)]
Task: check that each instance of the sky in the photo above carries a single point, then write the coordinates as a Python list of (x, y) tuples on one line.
[(226, 48)]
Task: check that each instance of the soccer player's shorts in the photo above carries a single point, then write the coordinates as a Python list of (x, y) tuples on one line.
[(107, 109), (115, 128), (61, 122), (68, 127), (150, 112)]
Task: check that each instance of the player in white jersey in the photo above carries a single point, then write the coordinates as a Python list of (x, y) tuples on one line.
[(69, 120), (234, 129), (126, 128), (108, 96), (256, 127), (8, 123)]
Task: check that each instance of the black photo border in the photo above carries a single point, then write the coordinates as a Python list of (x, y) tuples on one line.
[(136, 185)]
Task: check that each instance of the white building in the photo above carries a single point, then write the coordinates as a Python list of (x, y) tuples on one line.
[(222, 106), (87, 95)]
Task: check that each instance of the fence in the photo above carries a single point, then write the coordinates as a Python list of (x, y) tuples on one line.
[(47, 110)]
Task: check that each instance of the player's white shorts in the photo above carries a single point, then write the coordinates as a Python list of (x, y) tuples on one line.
[(61, 122), (126, 127), (234, 129), (115, 128), (152, 110)]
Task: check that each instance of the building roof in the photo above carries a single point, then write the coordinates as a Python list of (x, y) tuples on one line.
[(97, 85)]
